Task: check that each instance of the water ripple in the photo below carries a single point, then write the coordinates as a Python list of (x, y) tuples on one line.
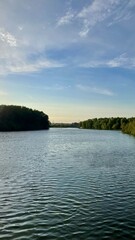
[(67, 184)]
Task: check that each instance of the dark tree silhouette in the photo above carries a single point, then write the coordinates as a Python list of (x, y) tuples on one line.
[(18, 118)]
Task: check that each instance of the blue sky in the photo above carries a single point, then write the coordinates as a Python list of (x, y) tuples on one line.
[(72, 59)]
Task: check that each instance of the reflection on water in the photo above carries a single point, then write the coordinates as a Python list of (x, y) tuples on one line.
[(67, 184)]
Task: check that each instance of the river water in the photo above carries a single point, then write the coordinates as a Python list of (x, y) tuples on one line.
[(67, 184)]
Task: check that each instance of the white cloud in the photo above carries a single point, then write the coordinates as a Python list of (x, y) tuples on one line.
[(96, 12), (15, 55), (112, 11), (8, 38), (121, 61), (92, 89), (66, 19), (29, 67), (85, 30)]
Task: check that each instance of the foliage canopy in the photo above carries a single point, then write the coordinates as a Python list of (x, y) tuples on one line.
[(18, 118), (127, 125)]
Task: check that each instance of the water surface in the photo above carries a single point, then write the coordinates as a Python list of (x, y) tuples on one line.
[(67, 184)]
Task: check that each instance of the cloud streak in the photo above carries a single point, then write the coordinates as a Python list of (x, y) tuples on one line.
[(34, 67), (69, 16), (8, 38), (54, 87), (121, 61), (98, 11), (29, 67), (95, 13), (91, 89)]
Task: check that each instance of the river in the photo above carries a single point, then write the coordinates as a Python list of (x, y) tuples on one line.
[(67, 184)]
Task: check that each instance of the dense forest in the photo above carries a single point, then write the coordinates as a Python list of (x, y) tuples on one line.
[(127, 125), (104, 123), (18, 118)]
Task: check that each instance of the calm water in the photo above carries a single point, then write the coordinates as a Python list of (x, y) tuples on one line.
[(67, 184)]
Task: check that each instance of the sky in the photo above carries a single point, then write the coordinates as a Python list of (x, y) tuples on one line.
[(72, 59)]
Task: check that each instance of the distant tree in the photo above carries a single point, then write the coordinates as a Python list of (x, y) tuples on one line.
[(104, 123), (65, 125)]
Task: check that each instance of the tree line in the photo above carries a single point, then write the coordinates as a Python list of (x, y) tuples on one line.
[(129, 128), (127, 125), (65, 125), (19, 118)]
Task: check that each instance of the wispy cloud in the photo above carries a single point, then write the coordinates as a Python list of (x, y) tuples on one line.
[(48, 88), (121, 61), (8, 38), (124, 12), (110, 12), (33, 67), (29, 67), (98, 11), (66, 19), (16, 57), (55, 87), (91, 89)]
